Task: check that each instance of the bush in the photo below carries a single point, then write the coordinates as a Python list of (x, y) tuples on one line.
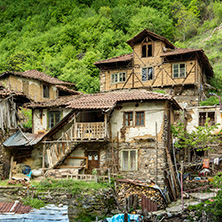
[(34, 202)]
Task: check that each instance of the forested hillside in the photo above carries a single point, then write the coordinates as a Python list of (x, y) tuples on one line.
[(64, 38)]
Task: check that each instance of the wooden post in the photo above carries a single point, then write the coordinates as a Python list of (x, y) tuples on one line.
[(11, 167), (109, 175), (105, 120), (43, 156), (74, 126), (181, 178), (156, 154), (117, 150)]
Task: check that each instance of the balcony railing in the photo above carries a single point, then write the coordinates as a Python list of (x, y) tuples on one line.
[(90, 131)]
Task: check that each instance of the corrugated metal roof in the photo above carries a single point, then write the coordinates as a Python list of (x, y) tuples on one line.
[(49, 213), (23, 139), (16, 207)]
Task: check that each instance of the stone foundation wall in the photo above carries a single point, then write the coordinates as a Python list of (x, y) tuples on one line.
[(86, 202)]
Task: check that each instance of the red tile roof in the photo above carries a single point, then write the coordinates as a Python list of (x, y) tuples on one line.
[(34, 74), (16, 207), (139, 37), (66, 89), (122, 58), (181, 51), (108, 100), (59, 102)]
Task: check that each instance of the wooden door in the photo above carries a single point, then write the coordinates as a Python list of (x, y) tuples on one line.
[(93, 160)]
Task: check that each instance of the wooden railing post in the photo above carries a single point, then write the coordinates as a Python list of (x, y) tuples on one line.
[(74, 126), (105, 124)]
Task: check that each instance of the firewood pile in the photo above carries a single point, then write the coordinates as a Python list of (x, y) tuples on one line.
[(125, 190)]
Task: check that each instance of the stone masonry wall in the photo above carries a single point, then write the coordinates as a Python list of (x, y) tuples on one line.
[(4, 154), (87, 202)]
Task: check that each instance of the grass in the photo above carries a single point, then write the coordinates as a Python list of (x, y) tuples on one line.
[(34, 202), (69, 184)]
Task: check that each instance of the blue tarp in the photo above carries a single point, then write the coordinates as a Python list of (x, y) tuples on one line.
[(120, 218)]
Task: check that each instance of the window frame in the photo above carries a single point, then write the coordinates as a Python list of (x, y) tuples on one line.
[(210, 122), (147, 44), (140, 118), (43, 91), (115, 77), (147, 74), (129, 162), (124, 118), (54, 117), (179, 70)]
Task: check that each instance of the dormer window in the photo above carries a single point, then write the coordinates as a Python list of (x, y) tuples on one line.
[(147, 50), (118, 77)]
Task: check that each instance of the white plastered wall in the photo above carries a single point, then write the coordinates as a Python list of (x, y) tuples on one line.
[(154, 112), (194, 112), (41, 123)]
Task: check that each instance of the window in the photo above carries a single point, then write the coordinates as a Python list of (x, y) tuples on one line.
[(147, 50), (134, 118), (128, 116), (140, 119), (53, 118), (129, 159), (45, 91), (118, 77), (147, 74), (179, 70), (203, 117)]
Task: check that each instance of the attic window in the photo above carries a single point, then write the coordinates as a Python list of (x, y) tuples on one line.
[(147, 50), (45, 91)]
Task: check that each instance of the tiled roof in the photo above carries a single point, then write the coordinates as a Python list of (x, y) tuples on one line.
[(66, 89), (122, 58), (34, 74), (180, 51), (7, 92), (139, 37), (61, 101), (15, 207), (109, 99)]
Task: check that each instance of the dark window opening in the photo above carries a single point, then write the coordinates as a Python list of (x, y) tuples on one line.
[(53, 118), (45, 91), (147, 50), (203, 116)]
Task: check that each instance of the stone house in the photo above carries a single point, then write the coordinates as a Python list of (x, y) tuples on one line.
[(38, 86), (126, 131), (10, 101), (156, 64)]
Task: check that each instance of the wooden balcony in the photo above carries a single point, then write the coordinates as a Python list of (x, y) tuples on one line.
[(90, 131), (85, 132)]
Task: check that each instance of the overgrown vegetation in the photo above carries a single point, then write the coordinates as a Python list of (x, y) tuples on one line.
[(34, 202), (212, 207), (200, 139), (74, 186), (65, 38)]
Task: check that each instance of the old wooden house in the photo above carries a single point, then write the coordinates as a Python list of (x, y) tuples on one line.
[(10, 101), (37, 85), (157, 64), (126, 131)]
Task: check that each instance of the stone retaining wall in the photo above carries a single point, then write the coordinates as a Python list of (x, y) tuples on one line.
[(81, 202)]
